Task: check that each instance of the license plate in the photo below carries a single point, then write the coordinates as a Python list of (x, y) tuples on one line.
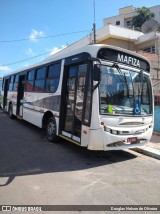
[(132, 140)]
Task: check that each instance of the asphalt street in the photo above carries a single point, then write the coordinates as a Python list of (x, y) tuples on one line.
[(34, 171)]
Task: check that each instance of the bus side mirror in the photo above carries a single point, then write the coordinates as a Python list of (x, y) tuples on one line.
[(97, 73)]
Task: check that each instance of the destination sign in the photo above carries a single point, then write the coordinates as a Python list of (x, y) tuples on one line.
[(122, 57), (128, 60)]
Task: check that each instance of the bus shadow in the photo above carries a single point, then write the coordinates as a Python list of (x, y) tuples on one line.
[(25, 151)]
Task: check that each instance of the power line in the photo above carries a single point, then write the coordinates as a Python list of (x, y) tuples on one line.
[(43, 37), (23, 60)]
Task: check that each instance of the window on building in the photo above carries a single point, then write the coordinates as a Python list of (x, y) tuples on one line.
[(153, 49), (117, 22), (53, 77), (129, 23), (30, 80), (150, 49), (40, 80)]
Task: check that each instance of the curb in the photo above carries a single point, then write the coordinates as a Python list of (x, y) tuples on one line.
[(149, 152), (156, 133)]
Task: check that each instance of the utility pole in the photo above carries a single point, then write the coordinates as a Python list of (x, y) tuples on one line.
[(94, 24), (94, 33)]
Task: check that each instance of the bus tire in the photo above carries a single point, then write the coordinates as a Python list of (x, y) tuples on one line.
[(51, 130), (10, 111)]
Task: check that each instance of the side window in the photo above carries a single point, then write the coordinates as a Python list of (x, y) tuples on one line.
[(3, 84), (30, 80), (53, 77), (11, 83), (15, 85), (40, 80)]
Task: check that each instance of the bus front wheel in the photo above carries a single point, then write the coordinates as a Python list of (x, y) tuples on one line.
[(51, 130)]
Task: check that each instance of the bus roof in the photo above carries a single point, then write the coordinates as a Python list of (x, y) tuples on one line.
[(66, 52)]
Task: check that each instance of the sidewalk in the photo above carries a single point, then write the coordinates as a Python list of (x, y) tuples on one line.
[(152, 149)]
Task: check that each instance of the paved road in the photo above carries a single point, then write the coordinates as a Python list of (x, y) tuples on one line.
[(34, 171)]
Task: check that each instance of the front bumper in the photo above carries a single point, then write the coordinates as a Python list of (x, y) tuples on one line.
[(102, 140)]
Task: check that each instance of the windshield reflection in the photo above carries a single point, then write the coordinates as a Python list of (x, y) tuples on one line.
[(124, 92)]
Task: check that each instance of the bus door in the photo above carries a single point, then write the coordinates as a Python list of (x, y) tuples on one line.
[(20, 94), (6, 87), (72, 104)]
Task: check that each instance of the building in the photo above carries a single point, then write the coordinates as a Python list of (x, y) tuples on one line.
[(147, 44), (121, 37), (126, 14)]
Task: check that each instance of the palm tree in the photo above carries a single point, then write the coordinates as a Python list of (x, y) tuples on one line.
[(143, 14)]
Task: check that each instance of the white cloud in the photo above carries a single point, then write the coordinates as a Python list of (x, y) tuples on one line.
[(4, 68), (55, 49), (35, 35), (30, 52)]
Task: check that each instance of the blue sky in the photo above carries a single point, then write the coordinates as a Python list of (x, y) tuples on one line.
[(29, 19)]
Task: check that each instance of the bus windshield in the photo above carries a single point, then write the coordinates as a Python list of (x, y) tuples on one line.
[(124, 92)]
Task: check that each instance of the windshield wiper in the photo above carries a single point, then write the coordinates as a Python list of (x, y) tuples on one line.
[(140, 87), (123, 78), (141, 75), (126, 85)]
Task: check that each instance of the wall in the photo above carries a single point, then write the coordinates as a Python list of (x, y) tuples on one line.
[(119, 43), (157, 118), (125, 10), (112, 20), (145, 45)]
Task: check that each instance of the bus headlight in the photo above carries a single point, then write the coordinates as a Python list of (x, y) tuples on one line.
[(110, 130), (107, 129), (114, 132)]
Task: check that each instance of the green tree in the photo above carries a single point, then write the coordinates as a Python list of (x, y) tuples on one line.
[(143, 14)]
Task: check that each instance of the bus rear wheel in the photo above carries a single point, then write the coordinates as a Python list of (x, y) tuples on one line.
[(51, 130)]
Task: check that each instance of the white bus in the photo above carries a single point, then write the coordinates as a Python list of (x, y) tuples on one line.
[(99, 97)]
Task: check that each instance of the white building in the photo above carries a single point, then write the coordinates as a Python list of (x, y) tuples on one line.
[(120, 37), (126, 14)]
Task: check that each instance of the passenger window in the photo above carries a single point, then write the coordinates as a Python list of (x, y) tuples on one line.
[(15, 85), (40, 80), (11, 83), (31, 75), (53, 77), (30, 81)]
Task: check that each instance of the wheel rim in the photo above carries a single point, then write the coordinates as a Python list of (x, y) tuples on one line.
[(51, 128)]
